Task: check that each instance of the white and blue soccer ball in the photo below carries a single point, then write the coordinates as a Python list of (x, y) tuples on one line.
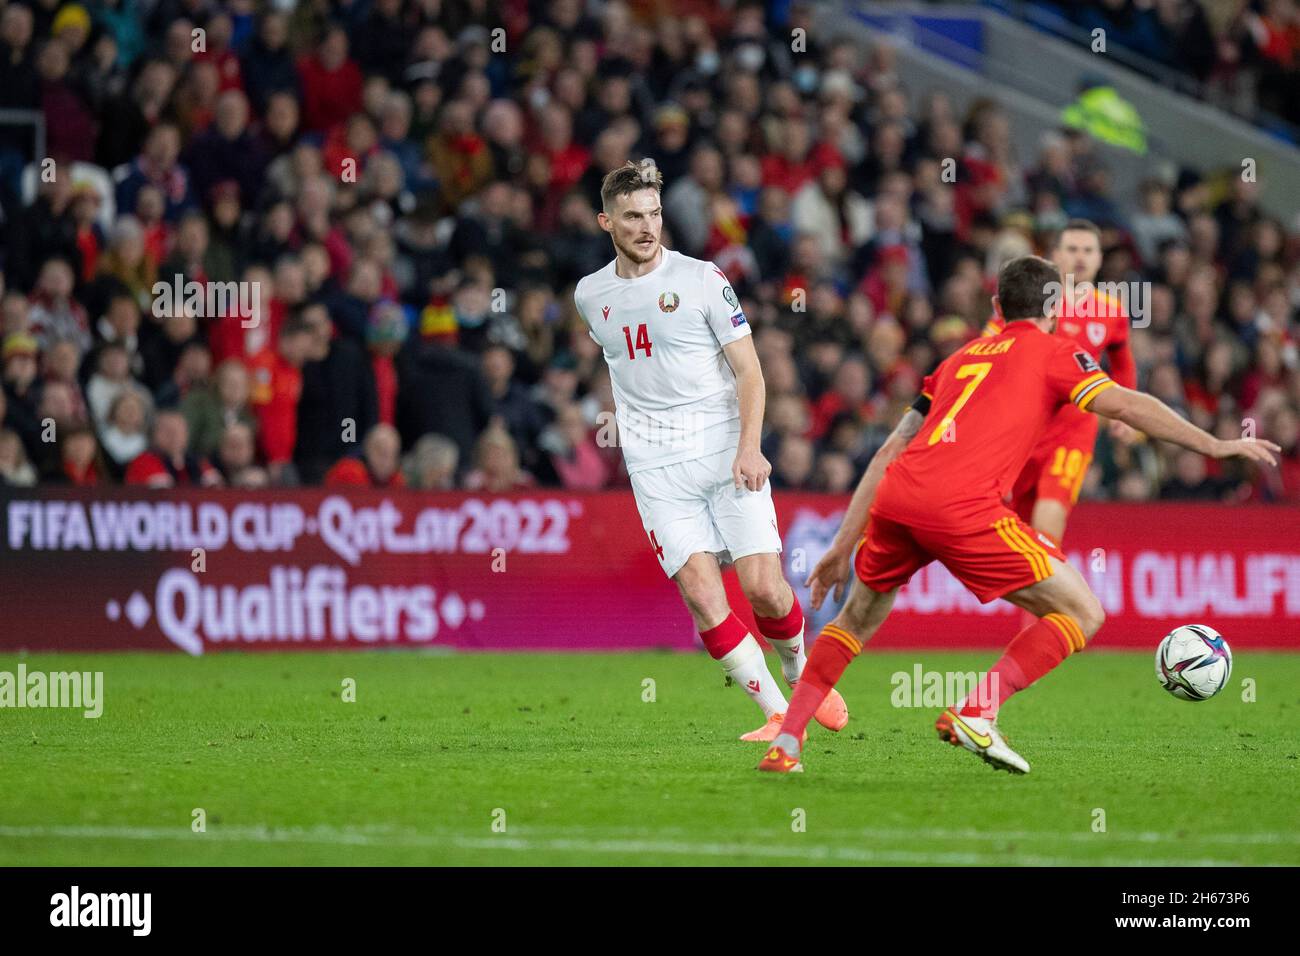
[(1193, 662)]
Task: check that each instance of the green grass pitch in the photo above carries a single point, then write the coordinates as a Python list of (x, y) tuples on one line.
[(557, 759)]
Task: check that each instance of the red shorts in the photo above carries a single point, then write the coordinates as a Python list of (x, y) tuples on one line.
[(1058, 464), (992, 561)]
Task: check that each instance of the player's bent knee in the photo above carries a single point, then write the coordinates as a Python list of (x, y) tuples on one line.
[(1090, 616), (1087, 613), (768, 597)]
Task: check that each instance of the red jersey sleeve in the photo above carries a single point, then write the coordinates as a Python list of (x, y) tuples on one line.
[(1122, 367), (1074, 376)]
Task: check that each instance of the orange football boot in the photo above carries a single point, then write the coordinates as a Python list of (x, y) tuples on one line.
[(767, 733), (776, 760), (833, 713)]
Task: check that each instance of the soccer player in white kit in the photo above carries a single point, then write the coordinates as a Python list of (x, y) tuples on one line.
[(689, 400)]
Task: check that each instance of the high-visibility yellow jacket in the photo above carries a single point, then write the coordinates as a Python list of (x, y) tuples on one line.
[(1104, 114)]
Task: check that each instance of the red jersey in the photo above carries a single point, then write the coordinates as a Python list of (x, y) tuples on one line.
[(153, 470), (352, 472), (276, 387), (1099, 324), (988, 405)]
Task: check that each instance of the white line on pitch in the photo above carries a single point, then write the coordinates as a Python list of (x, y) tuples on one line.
[(399, 839)]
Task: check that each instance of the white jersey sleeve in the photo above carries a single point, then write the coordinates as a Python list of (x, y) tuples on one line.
[(721, 307), (577, 304)]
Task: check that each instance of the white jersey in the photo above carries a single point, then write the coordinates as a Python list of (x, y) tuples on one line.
[(663, 333)]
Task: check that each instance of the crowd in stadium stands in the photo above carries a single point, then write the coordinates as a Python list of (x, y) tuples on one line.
[(416, 323), (1244, 54)]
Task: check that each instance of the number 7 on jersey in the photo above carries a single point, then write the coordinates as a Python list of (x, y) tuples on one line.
[(975, 371)]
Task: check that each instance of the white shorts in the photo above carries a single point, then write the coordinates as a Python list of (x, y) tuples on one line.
[(694, 506)]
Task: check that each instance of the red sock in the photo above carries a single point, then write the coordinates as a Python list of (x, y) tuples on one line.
[(782, 628), (834, 649), (1031, 654), (720, 640)]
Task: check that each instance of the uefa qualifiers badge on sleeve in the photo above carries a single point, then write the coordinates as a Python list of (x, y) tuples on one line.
[(738, 317)]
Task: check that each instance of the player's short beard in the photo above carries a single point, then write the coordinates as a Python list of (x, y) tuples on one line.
[(631, 252)]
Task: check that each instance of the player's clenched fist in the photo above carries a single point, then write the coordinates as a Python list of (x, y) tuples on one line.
[(750, 469), (832, 571)]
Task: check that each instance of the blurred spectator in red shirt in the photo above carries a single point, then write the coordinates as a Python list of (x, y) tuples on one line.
[(849, 392), (378, 466), (219, 30), (276, 387), (331, 82), (71, 127), (82, 459), (886, 282), (789, 165), (167, 464)]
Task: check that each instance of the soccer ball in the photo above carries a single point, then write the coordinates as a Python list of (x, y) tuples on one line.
[(1193, 662)]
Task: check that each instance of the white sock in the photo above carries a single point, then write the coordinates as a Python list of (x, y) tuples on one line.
[(793, 658), (746, 665)]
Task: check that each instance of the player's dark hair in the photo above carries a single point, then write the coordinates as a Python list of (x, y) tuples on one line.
[(630, 178), (1024, 286), (1078, 225)]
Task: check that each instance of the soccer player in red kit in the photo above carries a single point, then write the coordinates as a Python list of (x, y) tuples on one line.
[(1048, 486), (936, 490)]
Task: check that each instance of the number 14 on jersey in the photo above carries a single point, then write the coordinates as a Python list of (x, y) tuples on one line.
[(642, 340)]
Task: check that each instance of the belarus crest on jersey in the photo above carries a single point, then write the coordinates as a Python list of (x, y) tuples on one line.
[(1096, 332), (668, 302)]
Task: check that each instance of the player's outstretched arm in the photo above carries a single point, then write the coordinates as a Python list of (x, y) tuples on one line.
[(832, 571), (1148, 414)]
